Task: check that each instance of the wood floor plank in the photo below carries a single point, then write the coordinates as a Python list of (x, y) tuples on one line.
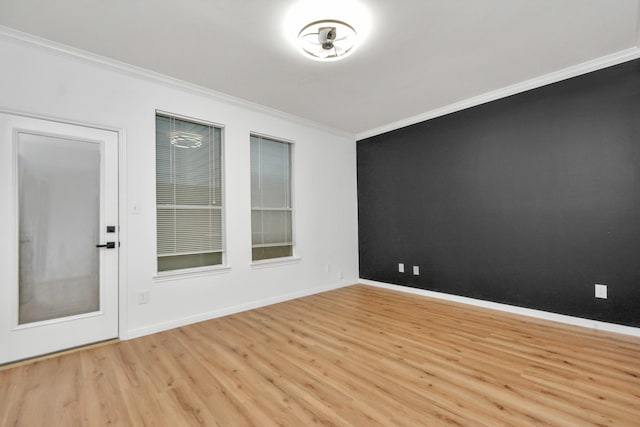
[(356, 356)]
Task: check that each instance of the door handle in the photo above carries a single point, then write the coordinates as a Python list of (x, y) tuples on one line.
[(108, 245)]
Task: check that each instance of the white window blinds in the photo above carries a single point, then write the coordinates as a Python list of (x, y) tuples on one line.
[(188, 194), (271, 208)]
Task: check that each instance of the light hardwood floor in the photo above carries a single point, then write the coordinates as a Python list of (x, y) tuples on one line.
[(357, 356)]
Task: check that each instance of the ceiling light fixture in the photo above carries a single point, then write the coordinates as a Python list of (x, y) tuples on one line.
[(327, 40)]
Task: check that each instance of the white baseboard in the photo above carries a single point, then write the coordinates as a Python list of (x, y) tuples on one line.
[(176, 323), (538, 314)]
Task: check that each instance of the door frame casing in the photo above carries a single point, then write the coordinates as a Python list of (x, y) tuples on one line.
[(122, 198)]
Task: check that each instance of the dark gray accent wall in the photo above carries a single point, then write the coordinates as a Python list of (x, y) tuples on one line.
[(529, 200)]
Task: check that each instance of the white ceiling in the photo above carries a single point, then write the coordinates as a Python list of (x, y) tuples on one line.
[(418, 55)]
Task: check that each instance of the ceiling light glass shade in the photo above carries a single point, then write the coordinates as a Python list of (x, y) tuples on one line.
[(186, 139), (327, 40)]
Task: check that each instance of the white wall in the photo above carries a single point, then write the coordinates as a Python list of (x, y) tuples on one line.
[(44, 81)]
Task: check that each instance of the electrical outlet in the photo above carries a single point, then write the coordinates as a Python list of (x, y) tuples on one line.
[(416, 270), (340, 275), (401, 268), (601, 291), (143, 297), (328, 268)]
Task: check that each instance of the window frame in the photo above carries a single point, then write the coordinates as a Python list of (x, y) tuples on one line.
[(294, 257), (206, 269)]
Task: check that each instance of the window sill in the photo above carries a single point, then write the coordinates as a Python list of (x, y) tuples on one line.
[(275, 262), (166, 276)]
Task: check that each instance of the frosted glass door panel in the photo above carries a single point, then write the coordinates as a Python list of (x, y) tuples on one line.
[(59, 221)]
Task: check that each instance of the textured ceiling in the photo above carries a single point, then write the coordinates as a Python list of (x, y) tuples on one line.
[(416, 56)]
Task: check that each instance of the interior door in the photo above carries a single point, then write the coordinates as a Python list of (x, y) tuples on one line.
[(59, 246)]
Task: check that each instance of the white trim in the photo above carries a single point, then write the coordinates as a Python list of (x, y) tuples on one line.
[(122, 205), (139, 72), (272, 245), (168, 115), (15, 190), (198, 271), (155, 77), (294, 258), (271, 137), (56, 320), (556, 76), (274, 262), (192, 207), (21, 113), (123, 234), (257, 208), (169, 275), (176, 323), (538, 314)]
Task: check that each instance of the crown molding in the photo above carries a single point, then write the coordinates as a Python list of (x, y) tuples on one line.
[(145, 74), (152, 76), (556, 76)]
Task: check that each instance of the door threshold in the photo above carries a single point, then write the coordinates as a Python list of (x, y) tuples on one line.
[(31, 360)]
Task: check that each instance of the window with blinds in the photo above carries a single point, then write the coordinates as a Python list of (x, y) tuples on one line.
[(188, 194), (271, 211)]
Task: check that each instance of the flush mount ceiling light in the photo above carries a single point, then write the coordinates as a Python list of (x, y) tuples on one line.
[(327, 40), (186, 139)]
